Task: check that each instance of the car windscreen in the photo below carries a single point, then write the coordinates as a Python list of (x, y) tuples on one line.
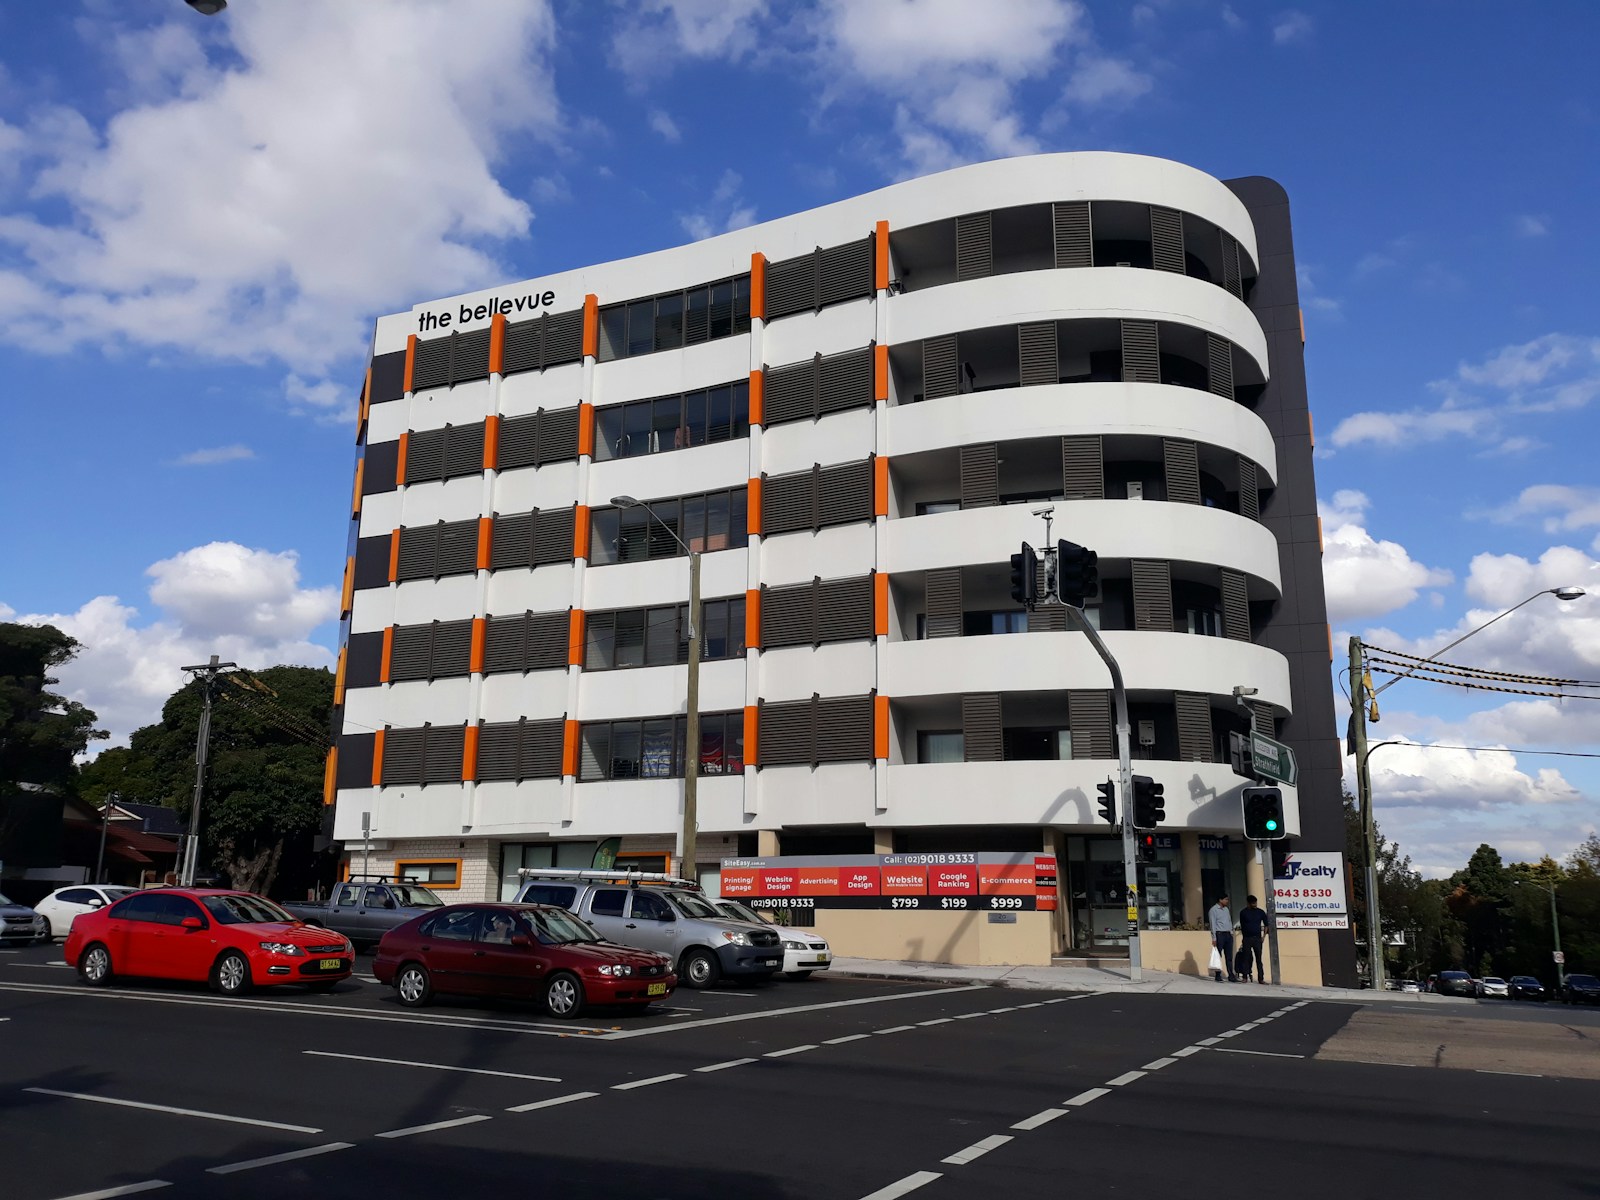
[(409, 895), (1585, 980), (245, 910), (740, 912), (115, 894), (560, 928), (5, 899), (693, 906)]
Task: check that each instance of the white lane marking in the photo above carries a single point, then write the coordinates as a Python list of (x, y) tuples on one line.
[(273, 1159), (741, 995), (902, 1186), (995, 1012), (723, 1066), (1035, 1004), (553, 1102), (623, 1035), (1040, 1118), (937, 1021), (1059, 1000), (1083, 1098), (969, 1016), (1159, 1063), (789, 1051), (406, 1062), (639, 1083), (978, 1149), (1519, 1074), (1226, 1034), (1186, 1051), (1208, 1041), (898, 1028), (849, 1037), (129, 1189), (1125, 1078), (178, 1112), (1262, 1053), (429, 1128)]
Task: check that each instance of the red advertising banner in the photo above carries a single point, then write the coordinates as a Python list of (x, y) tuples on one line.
[(779, 882), (857, 881), (817, 881), (736, 884), (904, 881), (1006, 879), (952, 881), (942, 880)]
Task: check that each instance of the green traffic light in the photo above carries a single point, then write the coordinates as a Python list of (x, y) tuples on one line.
[(1271, 824)]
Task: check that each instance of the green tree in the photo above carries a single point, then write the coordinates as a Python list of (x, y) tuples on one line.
[(1578, 901), (1481, 901), (1408, 904)]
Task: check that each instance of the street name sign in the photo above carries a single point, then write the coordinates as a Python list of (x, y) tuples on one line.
[(1273, 759)]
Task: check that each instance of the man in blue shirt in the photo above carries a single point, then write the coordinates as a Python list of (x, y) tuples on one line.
[(1252, 925), (1220, 919)]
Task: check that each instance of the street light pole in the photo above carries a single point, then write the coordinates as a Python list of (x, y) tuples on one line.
[(207, 673), (1555, 930), (687, 854)]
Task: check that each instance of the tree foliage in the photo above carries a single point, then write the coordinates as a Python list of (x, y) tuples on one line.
[(41, 733)]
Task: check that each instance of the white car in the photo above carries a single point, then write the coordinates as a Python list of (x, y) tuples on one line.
[(803, 951), (62, 906), (1492, 985)]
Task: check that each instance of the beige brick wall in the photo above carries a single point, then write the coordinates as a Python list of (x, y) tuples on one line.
[(480, 863)]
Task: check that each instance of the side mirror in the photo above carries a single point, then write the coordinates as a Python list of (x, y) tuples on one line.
[(521, 939), (96, 902), (193, 923)]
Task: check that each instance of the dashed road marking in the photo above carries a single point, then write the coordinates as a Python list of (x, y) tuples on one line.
[(1035, 1004), (1040, 1118), (937, 1021), (272, 1160), (432, 1126), (1260, 1053), (1519, 1074), (405, 1062), (129, 1189), (1211, 1041), (849, 1037), (901, 1187), (969, 1016), (978, 1149), (1083, 1098), (1159, 1063), (178, 1112), (1125, 1078), (555, 1100), (1227, 1033), (901, 1028), (1186, 1051), (995, 1012), (789, 1051), (764, 1014), (723, 1066), (639, 1083)]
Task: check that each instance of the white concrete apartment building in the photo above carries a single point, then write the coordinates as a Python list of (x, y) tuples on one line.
[(851, 413)]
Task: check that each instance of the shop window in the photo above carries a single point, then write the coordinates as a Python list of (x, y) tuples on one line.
[(441, 873)]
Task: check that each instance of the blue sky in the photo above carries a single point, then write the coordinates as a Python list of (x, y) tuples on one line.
[(200, 218)]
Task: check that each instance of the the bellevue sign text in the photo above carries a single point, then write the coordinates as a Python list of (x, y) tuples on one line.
[(495, 305)]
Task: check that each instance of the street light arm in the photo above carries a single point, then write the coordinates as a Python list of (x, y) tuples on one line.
[(1459, 640)]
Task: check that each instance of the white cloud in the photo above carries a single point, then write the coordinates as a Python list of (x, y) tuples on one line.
[(1561, 508), (1363, 576), (337, 157), (1290, 27), (700, 29), (321, 396), (245, 605), (214, 456), (1311, 298), (1531, 225), (1232, 19), (1101, 80), (664, 125), (726, 210)]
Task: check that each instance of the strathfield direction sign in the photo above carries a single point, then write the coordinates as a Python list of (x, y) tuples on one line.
[(1273, 760)]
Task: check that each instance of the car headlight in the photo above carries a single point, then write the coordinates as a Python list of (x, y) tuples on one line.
[(738, 939), (288, 948), (616, 970), (788, 945)]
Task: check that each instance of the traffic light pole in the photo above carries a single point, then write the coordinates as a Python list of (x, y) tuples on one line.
[(1269, 882)]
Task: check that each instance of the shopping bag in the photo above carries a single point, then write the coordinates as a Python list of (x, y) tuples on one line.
[(1216, 960)]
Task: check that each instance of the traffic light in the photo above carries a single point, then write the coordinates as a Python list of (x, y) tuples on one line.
[(1025, 577), (1108, 801), (1149, 802), (1263, 814), (1240, 755), (1077, 573), (1144, 848)]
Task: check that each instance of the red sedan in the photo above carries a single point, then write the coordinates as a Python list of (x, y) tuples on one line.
[(520, 951), (232, 940)]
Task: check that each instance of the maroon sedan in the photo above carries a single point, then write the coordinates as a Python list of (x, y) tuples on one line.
[(518, 951)]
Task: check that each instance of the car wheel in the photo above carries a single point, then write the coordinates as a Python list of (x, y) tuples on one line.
[(94, 966), (231, 975), (699, 969), (413, 986), (563, 995), (797, 975)]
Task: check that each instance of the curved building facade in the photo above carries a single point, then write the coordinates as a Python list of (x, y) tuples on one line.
[(850, 414)]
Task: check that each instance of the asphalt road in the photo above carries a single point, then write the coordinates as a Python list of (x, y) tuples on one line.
[(833, 1089)]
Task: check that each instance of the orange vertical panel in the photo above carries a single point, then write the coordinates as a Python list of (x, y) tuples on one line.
[(586, 430), (1322, 546), (388, 652), (497, 343), (880, 273), (491, 443), (1330, 642), (753, 507), (569, 749), (1311, 429), (580, 532), (400, 460), (355, 497), (591, 327), (377, 759), (752, 619), (576, 622), (880, 604), (880, 727), (338, 676), (880, 373), (485, 542), (758, 382), (1302, 327), (758, 287), (347, 597), (752, 729), (411, 360), (330, 774), (366, 405), (880, 486), (480, 632), (469, 755), (394, 557)]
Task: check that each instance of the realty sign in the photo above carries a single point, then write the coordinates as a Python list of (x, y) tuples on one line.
[(1307, 885)]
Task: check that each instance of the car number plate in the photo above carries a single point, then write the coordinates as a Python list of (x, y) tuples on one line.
[(332, 964), (821, 962), (771, 962), (656, 989)]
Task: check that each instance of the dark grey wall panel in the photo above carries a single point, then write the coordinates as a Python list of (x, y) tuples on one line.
[(388, 377), (378, 469), (363, 660), (372, 562)]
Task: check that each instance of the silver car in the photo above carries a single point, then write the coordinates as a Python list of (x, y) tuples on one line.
[(19, 923), (803, 951)]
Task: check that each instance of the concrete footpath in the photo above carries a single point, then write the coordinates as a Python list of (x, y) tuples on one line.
[(1113, 979)]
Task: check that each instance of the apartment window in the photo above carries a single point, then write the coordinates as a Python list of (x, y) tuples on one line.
[(708, 522), (1205, 621), (653, 748), (941, 746), (442, 873), (932, 508), (675, 319), (717, 414), (654, 637), (977, 624)]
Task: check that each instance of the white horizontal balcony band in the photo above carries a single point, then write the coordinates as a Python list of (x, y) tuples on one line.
[(837, 328), (668, 372), (510, 809), (1073, 409), (828, 553), (525, 392), (463, 404), (663, 581), (796, 672), (1115, 293), (1035, 179), (458, 499), (652, 692), (511, 591), (645, 806), (1199, 795), (1113, 529), (409, 704), (523, 489), (1031, 662), (836, 438), (669, 473), (537, 695), (829, 794)]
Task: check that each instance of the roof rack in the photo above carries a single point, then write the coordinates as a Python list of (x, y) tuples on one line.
[(597, 875), (369, 879)]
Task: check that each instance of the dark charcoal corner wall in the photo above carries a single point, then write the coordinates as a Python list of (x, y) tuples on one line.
[(1298, 628)]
